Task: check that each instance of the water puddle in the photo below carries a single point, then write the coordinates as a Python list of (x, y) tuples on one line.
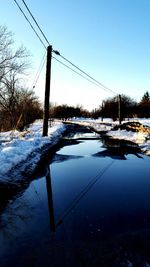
[(90, 207)]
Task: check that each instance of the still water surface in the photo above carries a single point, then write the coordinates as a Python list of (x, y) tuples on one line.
[(90, 207)]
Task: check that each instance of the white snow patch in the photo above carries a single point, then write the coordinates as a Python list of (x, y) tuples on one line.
[(140, 138), (136, 137), (15, 147)]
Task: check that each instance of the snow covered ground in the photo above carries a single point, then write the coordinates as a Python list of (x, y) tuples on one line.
[(140, 138), (16, 147)]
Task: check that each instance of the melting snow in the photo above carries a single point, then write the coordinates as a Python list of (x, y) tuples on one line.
[(140, 138), (15, 147)]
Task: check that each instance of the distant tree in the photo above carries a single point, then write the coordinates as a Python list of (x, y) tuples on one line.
[(144, 106), (65, 112), (59, 112), (146, 97), (96, 113), (85, 113), (128, 107), (110, 107)]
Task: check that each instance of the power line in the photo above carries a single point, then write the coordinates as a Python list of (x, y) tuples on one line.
[(39, 70), (96, 82), (102, 85), (76, 72), (29, 23), (35, 22), (46, 38)]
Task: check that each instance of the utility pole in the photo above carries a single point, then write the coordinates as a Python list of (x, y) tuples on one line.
[(47, 91), (119, 108)]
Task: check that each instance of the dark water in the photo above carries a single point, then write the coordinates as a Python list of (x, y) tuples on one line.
[(91, 207)]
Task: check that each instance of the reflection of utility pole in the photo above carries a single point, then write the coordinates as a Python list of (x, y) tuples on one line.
[(119, 108), (50, 200), (47, 91), (102, 111)]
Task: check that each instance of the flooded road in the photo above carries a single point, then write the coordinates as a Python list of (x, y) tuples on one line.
[(90, 206)]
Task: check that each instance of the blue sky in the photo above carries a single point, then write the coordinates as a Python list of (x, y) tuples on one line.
[(109, 39)]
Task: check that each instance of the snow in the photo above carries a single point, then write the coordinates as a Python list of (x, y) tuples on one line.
[(20, 147), (136, 137), (140, 138), (16, 147)]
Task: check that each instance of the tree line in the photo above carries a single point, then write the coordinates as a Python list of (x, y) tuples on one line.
[(19, 106), (109, 109), (129, 108)]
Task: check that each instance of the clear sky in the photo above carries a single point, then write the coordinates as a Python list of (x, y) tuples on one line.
[(109, 39)]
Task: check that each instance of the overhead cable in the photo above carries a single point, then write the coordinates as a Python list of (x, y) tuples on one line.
[(78, 73), (30, 23), (35, 22), (89, 77), (102, 85), (39, 70)]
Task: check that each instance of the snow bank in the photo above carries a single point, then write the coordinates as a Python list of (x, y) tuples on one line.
[(136, 137), (16, 147), (140, 138)]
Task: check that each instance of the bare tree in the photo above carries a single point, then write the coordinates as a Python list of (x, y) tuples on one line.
[(14, 98), (28, 107), (10, 59)]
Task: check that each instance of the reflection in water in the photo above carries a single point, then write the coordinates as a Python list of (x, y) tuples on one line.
[(50, 199), (9, 192), (83, 192), (60, 158), (118, 149), (75, 201)]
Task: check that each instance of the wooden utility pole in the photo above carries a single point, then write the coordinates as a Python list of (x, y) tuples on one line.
[(47, 91), (119, 108)]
